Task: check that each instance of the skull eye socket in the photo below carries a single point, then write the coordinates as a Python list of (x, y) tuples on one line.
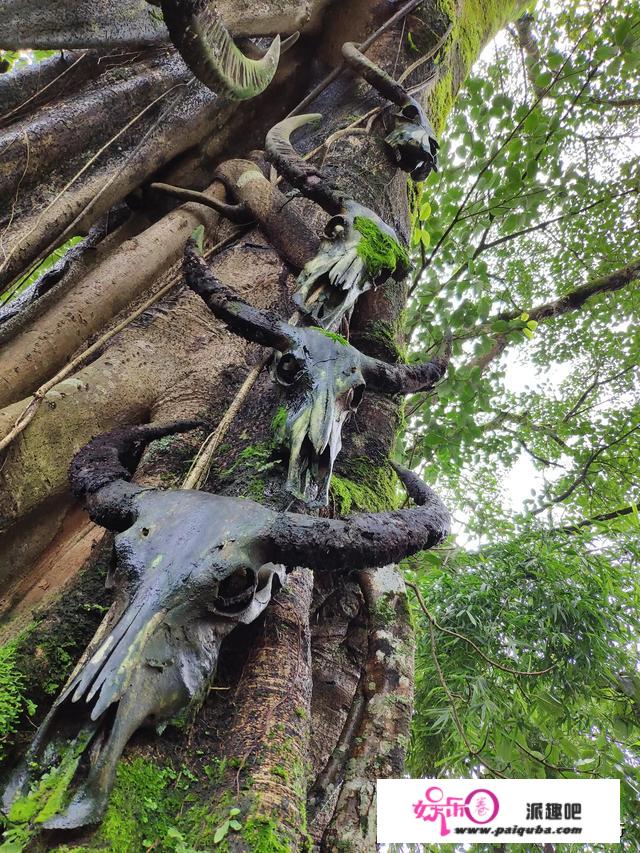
[(411, 113), (335, 227), (288, 369), (354, 396)]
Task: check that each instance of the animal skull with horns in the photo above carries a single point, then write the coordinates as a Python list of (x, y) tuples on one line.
[(411, 140), (189, 567), (321, 377), (359, 251)]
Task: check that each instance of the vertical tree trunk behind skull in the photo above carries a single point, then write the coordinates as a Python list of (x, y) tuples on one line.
[(314, 698)]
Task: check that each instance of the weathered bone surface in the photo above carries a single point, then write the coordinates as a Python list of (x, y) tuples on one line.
[(189, 567), (411, 140), (321, 377), (331, 283), (359, 251)]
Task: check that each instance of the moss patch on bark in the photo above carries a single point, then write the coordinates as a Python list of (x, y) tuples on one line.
[(363, 486)]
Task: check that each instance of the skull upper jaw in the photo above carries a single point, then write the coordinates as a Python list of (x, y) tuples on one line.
[(311, 459)]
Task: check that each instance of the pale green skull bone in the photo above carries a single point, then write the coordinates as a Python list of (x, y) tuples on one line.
[(331, 283), (317, 404)]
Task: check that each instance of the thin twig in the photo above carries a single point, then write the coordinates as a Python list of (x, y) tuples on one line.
[(432, 621), (53, 244), (475, 753), (40, 91), (17, 192), (202, 461), (337, 71)]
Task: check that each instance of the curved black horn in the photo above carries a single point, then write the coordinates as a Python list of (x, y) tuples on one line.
[(212, 55), (375, 76), (405, 378), (300, 174), (365, 540), (261, 327), (99, 473), (237, 213)]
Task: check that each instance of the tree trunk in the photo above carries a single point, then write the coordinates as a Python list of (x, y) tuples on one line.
[(315, 698)]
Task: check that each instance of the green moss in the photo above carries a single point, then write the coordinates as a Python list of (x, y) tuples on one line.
[(262, 836), (280, 771), (47, 797), (385, 611), (142, 807), (278, 425), (441, 99), (386, 336), (333, 335), (474, 23), (12, 699), (378, 250), (250, 462), (363, 487)]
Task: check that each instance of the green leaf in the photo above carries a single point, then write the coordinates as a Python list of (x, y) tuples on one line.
[(221, 832)]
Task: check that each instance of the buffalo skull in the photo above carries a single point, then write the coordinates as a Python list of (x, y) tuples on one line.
[(411, 139), (321, 378), (189, 567), (359, 251)]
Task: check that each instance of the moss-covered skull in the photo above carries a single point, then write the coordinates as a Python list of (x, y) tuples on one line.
[(359, 251), (321, 378), (189, 567)]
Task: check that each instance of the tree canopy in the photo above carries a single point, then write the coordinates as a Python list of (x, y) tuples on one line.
[(528, 249)]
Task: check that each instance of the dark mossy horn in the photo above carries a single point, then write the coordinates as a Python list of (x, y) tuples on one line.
[(99, 474), (261, 327), (300, 174), (364, 540), (374, 75), (405, 378), (215, 59)]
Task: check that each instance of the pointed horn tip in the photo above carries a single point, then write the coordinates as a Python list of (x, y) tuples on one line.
[(286, 127), (289, 42)]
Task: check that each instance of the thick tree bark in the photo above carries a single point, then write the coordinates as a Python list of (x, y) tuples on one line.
[(321, 685)]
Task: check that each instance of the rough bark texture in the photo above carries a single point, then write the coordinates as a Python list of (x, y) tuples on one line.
[(294, 676)]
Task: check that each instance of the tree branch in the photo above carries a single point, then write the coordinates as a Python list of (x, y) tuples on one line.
[(604, 516)]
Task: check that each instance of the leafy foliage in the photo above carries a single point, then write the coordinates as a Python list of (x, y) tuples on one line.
[(538, 197), (527, 249), (12, 700)]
